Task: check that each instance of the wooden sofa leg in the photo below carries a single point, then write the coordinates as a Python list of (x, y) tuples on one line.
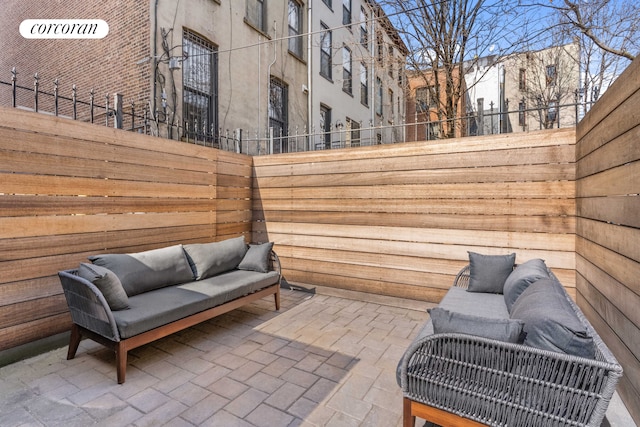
[(276, 296), (74, 341), (408, 420), (121, 361)]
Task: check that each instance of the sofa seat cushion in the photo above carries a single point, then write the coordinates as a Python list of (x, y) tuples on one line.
[(476, 303), (210, 259), (550, 322), (161, 306), (144, 271)]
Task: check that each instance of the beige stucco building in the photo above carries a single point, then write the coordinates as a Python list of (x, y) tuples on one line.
[(357, 75)]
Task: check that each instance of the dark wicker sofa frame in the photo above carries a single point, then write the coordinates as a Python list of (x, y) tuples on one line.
[(92, 317), (460, 380)]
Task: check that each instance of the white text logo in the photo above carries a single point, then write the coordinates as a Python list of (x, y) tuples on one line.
[(64, 28)]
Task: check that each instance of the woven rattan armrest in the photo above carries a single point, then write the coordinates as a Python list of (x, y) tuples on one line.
[(87, 305), (500, 383)]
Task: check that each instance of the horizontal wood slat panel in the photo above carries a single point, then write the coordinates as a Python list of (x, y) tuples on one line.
[(617, 266), (619, 181), (608, 224), (486, 158), (20, 162), (39, 205), (623, 240), (407, 214), (419, 293), (621, 210), (74, 186), (536, 207), (542, 172), (492, 190), (618, 152), (616, 345), (623, 298), (510, 141), (69, 190), (58, 224), (32, 331), (111, 151), (534, 224), (560, 242), (31, 310), (613, 125)]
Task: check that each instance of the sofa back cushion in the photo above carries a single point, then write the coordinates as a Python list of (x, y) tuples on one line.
[(257, 258), (210, 259), (487, 273), (144, 271), (550, 322), (520, 279), (108, 283)]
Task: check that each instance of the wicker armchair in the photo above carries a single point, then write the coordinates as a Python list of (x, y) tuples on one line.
[(456, 379)]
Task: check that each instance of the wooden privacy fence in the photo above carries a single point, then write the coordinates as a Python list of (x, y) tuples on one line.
[(608, 225), (70, 189), (398, 220)]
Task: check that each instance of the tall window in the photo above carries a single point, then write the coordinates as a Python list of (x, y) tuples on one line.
[(389, 67), (378, 96), (295, 28), (364, 84), (391, 103), (364, 34), (346, 70), (521, 113), (256, 14), (422, 99), (552, 75), (278, 119), (346, 12), (200, 91), (379, 47), (325, 52), (522, 79), (325, 125), (353, 133)]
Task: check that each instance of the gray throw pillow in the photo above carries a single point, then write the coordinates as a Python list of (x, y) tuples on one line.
[(257, 258), (210, 259), (550, 323), (445, 321), (520, 279), (108, 283), (487, 273), (144, 271)]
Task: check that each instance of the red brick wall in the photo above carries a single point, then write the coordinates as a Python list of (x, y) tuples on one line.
[(107, 65)]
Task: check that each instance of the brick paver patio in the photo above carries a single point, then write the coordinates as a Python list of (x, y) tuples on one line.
[(321, 361)]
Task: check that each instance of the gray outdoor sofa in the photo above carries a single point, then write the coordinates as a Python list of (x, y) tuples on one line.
[(124, 301), (507, 349)]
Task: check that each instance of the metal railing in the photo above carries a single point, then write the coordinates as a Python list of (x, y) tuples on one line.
[(138, 118)]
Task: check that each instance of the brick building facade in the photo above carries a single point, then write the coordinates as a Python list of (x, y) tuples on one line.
[(107, 65)]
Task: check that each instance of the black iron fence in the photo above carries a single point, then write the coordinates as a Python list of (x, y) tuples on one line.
[(111, 110)]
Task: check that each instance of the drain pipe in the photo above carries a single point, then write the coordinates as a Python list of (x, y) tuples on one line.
[(155, 54), (275, 57), (309, 77)]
